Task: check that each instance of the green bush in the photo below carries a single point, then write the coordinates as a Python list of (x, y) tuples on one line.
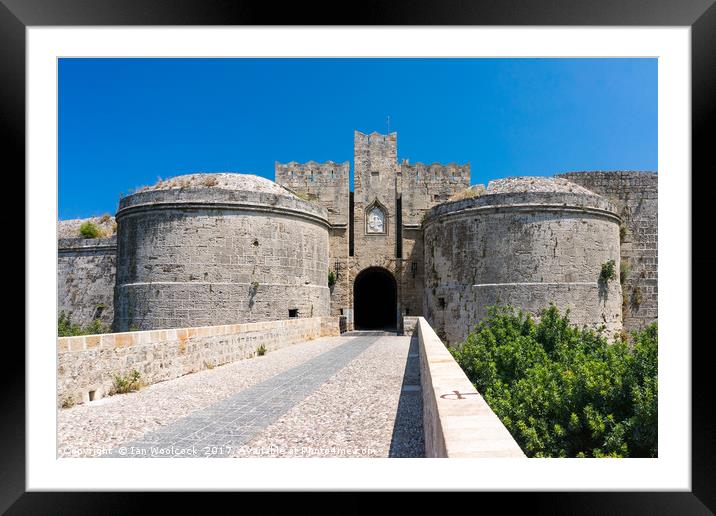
[(564, 391), (608, 271), (261, 350), (331, 279), (66, 328), (126, 383), (90, 230)]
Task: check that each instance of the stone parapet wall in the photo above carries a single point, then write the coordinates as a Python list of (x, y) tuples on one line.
[(409, 324), (86, 270), (223, 198), (86, 364), (457, 421)]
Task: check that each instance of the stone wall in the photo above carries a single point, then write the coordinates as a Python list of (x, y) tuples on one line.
[(86, 270), (203, 256), (375, 158), (87, 364), (424, 186), (326, 184), (457, 421), (526, 249), (635, 194)]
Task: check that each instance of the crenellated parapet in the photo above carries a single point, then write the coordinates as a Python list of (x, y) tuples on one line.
[(425, 185), (436, 172), (324, 183), (311, 172)]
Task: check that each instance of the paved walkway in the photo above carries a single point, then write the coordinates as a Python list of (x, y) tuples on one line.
[(357, 397)]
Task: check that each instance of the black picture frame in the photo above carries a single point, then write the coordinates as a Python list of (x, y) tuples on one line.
[(700, 15)]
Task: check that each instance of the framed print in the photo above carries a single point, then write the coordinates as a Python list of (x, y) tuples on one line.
[(209, 310)]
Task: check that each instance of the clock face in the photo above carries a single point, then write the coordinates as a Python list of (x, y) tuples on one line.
[(375, 222)]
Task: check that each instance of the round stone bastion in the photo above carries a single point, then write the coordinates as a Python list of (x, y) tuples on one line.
[(527, 242), (210, 249)]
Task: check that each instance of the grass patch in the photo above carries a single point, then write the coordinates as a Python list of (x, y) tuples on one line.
[(261, 350), (467, 193), (126, 383), (624, 271)]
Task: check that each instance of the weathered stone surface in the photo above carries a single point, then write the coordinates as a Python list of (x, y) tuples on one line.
[(635, 194), (211, 255), (523, 248), (326, 184), (86, 271)]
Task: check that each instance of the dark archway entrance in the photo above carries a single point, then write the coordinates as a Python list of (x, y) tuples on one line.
[(375, 299)]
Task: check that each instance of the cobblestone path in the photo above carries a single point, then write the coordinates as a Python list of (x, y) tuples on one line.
[(358, 398)]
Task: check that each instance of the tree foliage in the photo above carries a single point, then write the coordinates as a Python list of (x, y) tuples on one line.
[(564, 391)]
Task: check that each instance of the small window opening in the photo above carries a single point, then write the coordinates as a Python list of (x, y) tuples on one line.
[(292, 313), (91, 395), (441, 302)]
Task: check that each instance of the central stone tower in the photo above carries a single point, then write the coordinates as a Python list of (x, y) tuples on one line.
[(376, 252)]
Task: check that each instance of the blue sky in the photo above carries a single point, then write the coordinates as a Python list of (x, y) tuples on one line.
[(125, 122)]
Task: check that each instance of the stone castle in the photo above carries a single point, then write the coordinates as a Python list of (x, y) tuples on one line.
[(409, 240)]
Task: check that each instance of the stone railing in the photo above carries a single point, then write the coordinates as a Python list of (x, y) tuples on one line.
[(409, 323), (87, 364), (456, 419)]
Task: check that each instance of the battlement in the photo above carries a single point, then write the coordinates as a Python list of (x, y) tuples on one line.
[(435, 172), (326, 184), (294, 173), (375, 137)]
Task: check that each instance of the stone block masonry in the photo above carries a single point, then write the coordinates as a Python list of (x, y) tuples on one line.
[(530, 244), (328, 185), (86, 270), (635, 194), (86, 364), (245, 250)]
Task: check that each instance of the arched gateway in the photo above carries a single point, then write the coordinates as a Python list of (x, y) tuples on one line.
[(375, 300)]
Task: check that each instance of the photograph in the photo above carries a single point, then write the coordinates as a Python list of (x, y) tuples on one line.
[(364, 258)]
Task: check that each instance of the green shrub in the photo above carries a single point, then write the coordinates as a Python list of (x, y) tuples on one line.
[(608, 271), (66, 328), (331, 279), (624, 272), (90, 230), (261, 350), (564, 391), (126, 383)]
